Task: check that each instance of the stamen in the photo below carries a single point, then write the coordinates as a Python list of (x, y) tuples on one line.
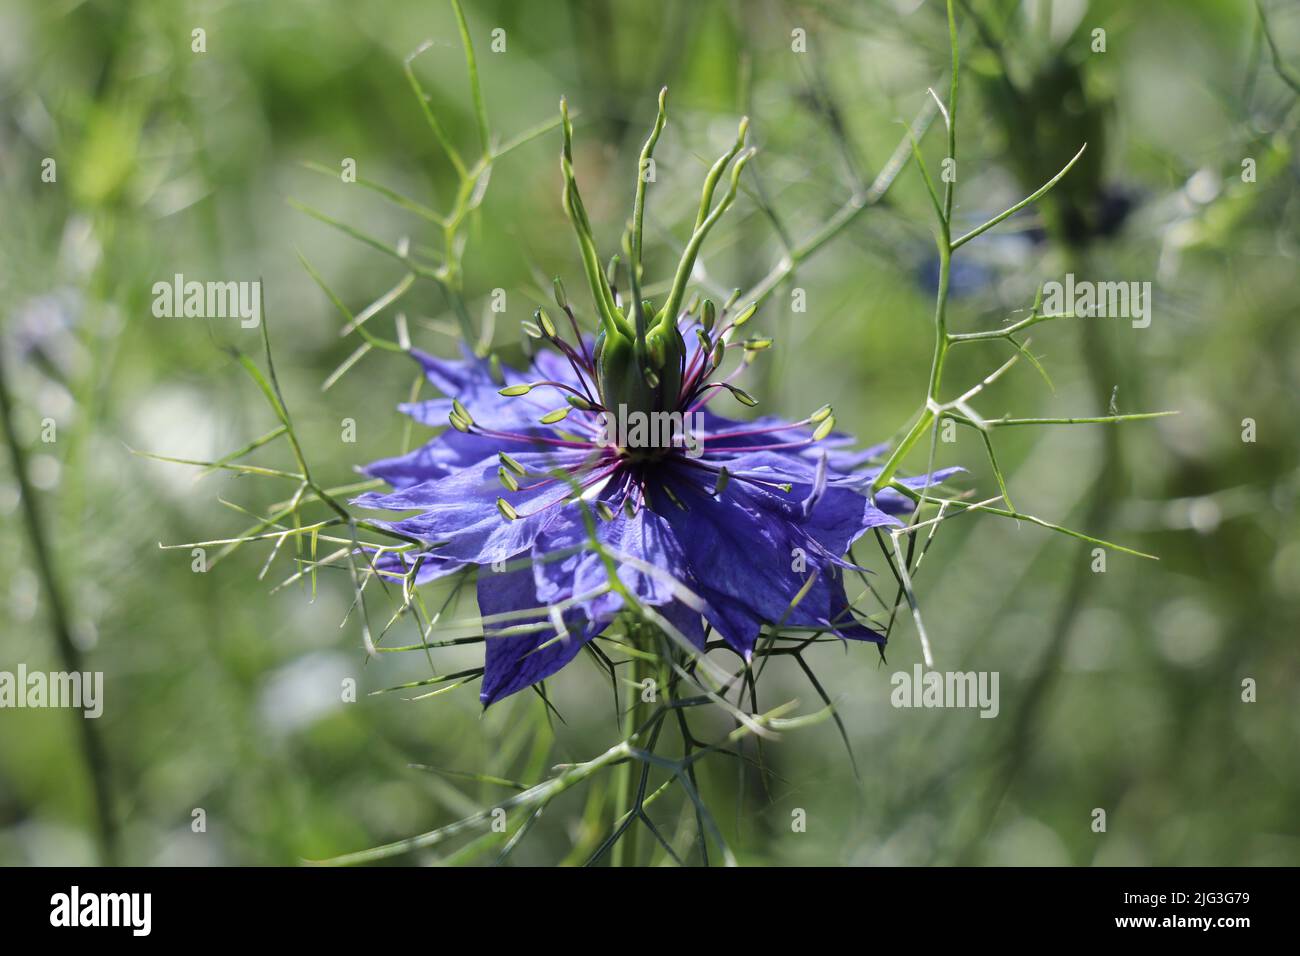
[(572, 472), (577, 493), (673, 498), (774, 447), (579, 365), (722, 483), (562, 300), (764, 430), (460, 419), (523, 388), (527, 439), (701, 402), (547, 326), (740, 394), (744, 316)]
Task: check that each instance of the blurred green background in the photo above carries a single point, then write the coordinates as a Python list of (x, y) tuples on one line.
[(1120, 690)]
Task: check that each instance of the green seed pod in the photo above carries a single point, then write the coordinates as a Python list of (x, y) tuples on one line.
[(621, 380), (655, 350), (667, 349)]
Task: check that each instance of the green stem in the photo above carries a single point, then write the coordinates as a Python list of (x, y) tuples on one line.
[(846, 214), (625, 852), (92, 747), (942, 341)]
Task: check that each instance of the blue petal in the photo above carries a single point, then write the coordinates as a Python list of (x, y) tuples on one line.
[(470, 381), (513, 662), (448, 453), (753, 560), (460, 514), (432, 567), (840, 514), (565, 567)]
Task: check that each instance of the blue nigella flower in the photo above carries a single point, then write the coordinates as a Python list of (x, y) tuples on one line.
[(708, 519)]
